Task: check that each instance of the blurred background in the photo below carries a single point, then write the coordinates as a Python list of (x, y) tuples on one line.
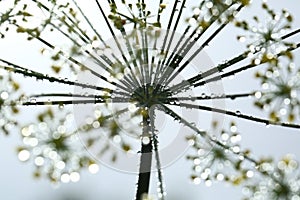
[(17, 181)]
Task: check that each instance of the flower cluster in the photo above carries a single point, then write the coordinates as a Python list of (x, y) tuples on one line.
[(265, 38), (219, 160), (278, 181), (217, 10), (55, 148), (280, 94), (116, 127), (138, 15), (8, 87)]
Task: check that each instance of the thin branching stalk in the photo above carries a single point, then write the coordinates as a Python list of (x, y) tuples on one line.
[(237, 114)]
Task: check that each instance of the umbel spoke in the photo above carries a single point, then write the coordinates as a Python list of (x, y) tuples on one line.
[(134, 79), (155, 140), (62, 103), (218, 143), (209, 97), (193, 81), (238, 70), (160, 64), (39, 76), (142, 72), (85, 96), (199, 50), (237, 114)]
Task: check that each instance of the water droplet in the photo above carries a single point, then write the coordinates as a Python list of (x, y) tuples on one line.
[(265, 86), (233, 128), (65, 178), (39, 161), (197, 161), (220, 177), (32, 100), (93, 168), (293, 93), (225, 136), (250, 174), (197, 180), (287, 101), (4, 95), (24, 155), (75, 177), (258, 95), (242, 38), (283, 111), (236, 149), (238, 112), (193, 124), (60, 165), (208, 183), (145, 140), (61, 106)]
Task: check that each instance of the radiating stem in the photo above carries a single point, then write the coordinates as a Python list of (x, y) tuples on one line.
[(161, 190), (162, 51), (209, 97), (199, 49), (237, 114), (146, 159), (214, 141), (165, 68), (193, 81), (241, 69), (84, 96), (39, 76), (134, 79)]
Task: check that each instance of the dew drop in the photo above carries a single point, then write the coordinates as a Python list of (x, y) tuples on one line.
[(287, 101), (208, 183), (250, 174), (65, 178), (220, 177), (238, 112), (197, 180), (39, 161), (193, 124), (4, 95), (145, 140), (242, 38), (33, 100), (24, 155), (93, 168), (74, 177), (258, 95)]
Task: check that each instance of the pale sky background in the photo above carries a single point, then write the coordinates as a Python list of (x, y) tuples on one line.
[(16, 180)]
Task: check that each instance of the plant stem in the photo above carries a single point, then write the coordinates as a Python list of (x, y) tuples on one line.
[(237, 114), (146, 159)]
